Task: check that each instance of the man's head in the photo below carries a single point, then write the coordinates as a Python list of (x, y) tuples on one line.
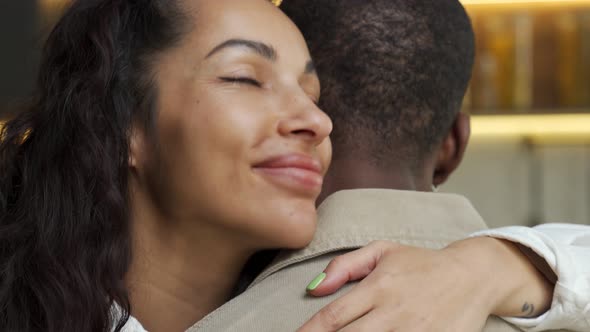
[(393, 73)]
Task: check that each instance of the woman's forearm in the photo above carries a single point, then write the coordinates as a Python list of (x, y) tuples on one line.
[(517, 288)]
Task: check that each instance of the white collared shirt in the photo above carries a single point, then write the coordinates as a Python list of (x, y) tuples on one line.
[(566, 249), (133, 325)]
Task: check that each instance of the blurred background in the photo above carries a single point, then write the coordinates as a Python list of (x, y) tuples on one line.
[(529, 158)]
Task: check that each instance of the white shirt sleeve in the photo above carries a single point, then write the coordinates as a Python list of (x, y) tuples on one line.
[(132, 324), (566, 248)]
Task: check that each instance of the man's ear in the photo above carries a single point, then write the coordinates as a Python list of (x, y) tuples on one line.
[(452, 149)]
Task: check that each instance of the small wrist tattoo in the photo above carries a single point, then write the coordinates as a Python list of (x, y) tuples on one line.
[(528, 309)]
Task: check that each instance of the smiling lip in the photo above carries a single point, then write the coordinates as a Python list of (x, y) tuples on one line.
[(296, 172)]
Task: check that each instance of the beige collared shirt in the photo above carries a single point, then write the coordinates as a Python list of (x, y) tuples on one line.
[(276, 300)]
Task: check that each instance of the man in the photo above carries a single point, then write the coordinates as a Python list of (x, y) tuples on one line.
[(393, 75)]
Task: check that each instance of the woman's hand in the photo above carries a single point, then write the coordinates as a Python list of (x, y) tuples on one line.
[(415, 289)]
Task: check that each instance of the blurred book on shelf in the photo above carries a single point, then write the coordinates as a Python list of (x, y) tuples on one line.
[(530, 60)]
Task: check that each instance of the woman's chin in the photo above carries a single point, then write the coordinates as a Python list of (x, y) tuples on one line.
[(298, 229), (298, 241), (303, 227)]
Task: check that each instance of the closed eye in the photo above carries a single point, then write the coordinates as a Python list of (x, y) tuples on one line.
[(242, 80)]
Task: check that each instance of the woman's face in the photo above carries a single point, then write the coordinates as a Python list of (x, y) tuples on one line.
[(241, 145)]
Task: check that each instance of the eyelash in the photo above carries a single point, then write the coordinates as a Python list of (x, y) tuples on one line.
[(242, 80), (253, 82)]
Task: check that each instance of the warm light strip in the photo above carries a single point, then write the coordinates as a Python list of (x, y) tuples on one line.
[(542, 128), (558, 127)]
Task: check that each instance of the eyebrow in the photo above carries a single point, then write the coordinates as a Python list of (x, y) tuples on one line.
[(262, 49), (259, 48)]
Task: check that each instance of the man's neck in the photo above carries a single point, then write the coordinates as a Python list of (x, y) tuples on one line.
[(353, 174)]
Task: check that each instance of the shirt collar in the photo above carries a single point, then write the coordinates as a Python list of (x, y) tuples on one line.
[(350, 219)]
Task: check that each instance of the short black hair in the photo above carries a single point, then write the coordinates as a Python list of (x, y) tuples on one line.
[(393, 72)]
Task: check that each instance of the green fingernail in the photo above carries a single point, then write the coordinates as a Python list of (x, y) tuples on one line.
[(316, 282)]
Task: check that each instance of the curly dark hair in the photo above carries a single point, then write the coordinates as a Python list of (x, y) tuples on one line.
[(64, 216), (393, 72)]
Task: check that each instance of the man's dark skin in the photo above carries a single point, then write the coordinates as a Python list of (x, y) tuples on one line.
[(350, 171)]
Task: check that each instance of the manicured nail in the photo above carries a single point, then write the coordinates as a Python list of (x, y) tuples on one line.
[(316, 282)]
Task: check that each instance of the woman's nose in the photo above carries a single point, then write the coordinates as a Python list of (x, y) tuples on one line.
[(306, 121)]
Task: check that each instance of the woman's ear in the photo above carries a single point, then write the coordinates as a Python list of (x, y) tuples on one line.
[(136, 147), (452, 149)]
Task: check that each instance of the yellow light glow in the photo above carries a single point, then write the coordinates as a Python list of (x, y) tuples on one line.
[(550, 128), (46, 4), (558, 128), (54, 2), (50, 8)]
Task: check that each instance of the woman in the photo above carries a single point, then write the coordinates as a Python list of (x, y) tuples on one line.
[(168, 142), (161, 152)]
